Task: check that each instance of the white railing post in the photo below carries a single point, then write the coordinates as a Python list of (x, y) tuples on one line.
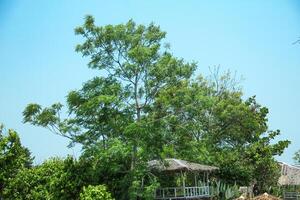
[(208, 192)]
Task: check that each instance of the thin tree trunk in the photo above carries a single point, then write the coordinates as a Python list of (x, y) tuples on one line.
[(138, 117)]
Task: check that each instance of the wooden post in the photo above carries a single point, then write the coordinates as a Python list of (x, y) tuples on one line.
[(206, 177), (183, 183), (195, 176), (208, 192)]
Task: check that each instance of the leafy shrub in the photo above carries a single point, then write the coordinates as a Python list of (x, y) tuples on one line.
[(225, 191), (55, 178), (98, 192)]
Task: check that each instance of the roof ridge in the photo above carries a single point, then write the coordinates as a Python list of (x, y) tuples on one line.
[(289, 165), (180, 163)]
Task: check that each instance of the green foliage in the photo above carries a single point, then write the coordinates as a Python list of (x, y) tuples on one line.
[(98, 192), (260, 154), (13, 157)]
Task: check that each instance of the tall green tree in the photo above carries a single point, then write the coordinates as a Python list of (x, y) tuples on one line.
[(135, 68), (115, 104), (13, 156)]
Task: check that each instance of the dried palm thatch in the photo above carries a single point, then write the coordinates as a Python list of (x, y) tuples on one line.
[(176, 165), (266, 196)]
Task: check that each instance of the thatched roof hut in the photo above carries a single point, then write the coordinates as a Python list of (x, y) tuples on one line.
[(290, 175), (176, 165)]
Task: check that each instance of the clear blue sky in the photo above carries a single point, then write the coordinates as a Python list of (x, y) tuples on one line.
[(38, 62)]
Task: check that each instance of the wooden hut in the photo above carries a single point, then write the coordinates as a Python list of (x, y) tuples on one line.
[(183, 169), (290, 175), (289, 180)]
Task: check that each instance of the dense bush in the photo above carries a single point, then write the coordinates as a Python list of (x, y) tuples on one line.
[(98, 192), (56, 178)]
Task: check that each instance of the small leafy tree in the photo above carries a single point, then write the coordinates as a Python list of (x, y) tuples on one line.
[(297, 157), (98, 192)]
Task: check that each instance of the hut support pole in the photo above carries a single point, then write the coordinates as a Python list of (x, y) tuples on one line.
[(195, 176), (207, 178), (183, 183), (208, 183)]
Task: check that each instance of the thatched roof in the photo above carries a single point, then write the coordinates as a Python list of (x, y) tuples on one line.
[(172, 164), (290, 175), (266, 196)]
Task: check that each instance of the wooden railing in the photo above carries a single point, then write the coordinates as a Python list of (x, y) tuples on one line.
[(291, 195), (182, 192)]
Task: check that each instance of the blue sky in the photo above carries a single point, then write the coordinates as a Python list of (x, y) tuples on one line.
[(38, 62)]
